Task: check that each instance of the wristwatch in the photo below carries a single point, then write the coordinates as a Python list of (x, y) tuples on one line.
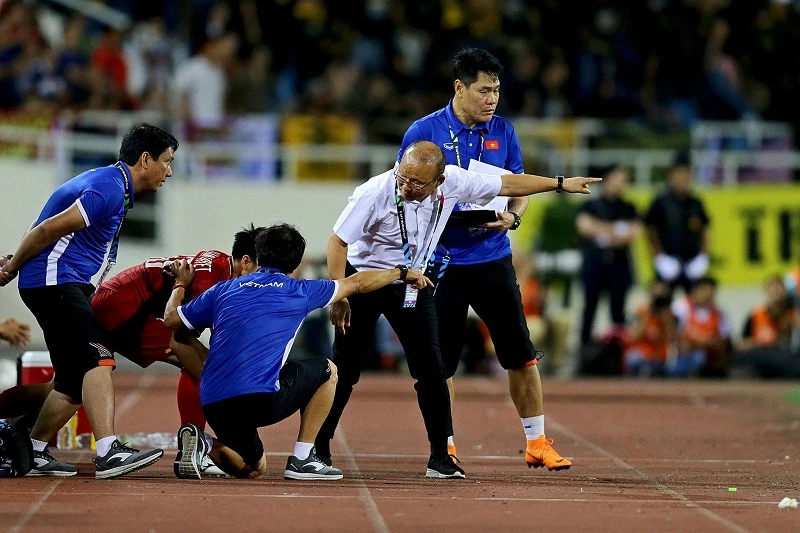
[(517, 221), (560, 186), (403, 271)]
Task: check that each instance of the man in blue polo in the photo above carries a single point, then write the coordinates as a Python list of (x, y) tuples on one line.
[(56, 260), (472, 265), (247, 382)]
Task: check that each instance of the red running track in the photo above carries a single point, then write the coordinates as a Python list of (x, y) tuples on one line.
[(647, 456)]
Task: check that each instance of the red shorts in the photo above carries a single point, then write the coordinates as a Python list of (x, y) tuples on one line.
[(133, 331)]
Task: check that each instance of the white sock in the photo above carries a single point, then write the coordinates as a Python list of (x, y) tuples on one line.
[(104, 445), (38, 445), (533, 426), (302, 449), (450, 441), (209, 440)]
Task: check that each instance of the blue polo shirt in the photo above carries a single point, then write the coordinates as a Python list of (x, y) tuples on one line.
[(495, 143), (255, 319), (75, 258)]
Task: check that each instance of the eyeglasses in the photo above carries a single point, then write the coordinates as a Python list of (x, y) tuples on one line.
[(405, 182)]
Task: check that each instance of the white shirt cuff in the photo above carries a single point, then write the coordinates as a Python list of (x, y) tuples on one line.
[(184, 319)]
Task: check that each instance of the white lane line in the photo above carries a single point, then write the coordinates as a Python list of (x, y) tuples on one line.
[(375, 516), (600, 499), (660, 486), (145, 382), (24, 519)]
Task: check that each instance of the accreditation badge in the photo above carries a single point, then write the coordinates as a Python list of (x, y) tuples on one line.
[(410, 300)]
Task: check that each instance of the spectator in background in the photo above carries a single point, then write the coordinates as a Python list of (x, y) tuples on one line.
[(704, 333), (14, 332), (109, 62), (652, 334), (766, 347), (792, 283), (201, 85), (677, 227), (547, 330), (609, 225)]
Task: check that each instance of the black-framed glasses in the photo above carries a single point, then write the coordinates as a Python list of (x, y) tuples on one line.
[(401, 181)]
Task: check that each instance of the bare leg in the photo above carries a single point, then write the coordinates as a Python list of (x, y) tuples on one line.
[(452, 389), (98, 400), (232, 463), (525, 387), (58, 408), (24, 399), (318, 407)]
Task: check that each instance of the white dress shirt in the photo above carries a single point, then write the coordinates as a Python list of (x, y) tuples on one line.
[(371, 228)]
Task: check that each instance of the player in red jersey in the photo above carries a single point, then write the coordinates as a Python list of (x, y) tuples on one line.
[(130, 305)]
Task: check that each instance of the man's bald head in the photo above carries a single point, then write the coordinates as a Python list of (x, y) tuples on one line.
[(421, 170), (425, 153)]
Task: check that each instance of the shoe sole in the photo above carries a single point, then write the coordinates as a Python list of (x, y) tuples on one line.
[(435, 474), (121, 470), (556, 468), (51, 474), (185, 465), (305, 476)]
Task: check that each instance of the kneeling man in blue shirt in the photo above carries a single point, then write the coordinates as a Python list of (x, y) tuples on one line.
[(247, 382)]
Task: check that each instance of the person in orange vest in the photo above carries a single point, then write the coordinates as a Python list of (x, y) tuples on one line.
[(770, 325), (652, 335), (704, 334), (766, 347)]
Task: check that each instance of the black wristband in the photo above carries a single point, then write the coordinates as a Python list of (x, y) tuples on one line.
[(560, 186), (403, 271), (517, 221)]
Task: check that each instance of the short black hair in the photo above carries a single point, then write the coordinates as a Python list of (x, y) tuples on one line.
[(705, 280), (468, 62), (244, 242), (682, 159), (143, 138), (280, 246)]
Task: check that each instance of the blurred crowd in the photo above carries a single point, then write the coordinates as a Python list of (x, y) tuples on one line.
[(666, 63)]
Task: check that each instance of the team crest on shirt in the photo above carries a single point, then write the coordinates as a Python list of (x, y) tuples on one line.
[(492, 144)]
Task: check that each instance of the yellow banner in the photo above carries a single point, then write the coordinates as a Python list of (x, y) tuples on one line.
[(754, 231)]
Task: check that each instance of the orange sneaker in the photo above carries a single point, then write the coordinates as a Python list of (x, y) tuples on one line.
[(451, 451), (540, 453)]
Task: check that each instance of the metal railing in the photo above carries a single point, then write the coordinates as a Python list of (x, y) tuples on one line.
[(75, 151)]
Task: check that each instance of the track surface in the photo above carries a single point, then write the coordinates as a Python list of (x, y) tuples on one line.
[(646, 456)]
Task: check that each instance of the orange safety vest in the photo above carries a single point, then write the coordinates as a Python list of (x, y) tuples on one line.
[(531, 291), (763, 330), (655, 343), (697, 328)]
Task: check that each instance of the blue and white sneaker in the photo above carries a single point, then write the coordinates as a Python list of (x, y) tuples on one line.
[(310, 468)]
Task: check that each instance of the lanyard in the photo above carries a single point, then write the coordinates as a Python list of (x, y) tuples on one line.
[(401, 216), (114, 248), (454, 138)]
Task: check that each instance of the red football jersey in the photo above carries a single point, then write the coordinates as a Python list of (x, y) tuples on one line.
[(121, 297)]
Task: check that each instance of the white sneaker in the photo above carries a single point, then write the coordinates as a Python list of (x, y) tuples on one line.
[(209, 470)]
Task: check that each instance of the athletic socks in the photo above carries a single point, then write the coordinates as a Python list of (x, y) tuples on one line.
[(302, 450), (104, 445), (450, 441), (533, 426), (189, 401), (38, 445)]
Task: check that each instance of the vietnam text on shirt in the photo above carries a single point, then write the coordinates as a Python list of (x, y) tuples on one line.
[(370, 226), (255, 319)]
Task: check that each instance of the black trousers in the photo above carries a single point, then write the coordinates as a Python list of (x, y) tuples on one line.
[(416, 328), (492, 290), (599, 279)]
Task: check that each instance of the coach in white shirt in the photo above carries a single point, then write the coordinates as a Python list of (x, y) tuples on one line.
[(395, 219)]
